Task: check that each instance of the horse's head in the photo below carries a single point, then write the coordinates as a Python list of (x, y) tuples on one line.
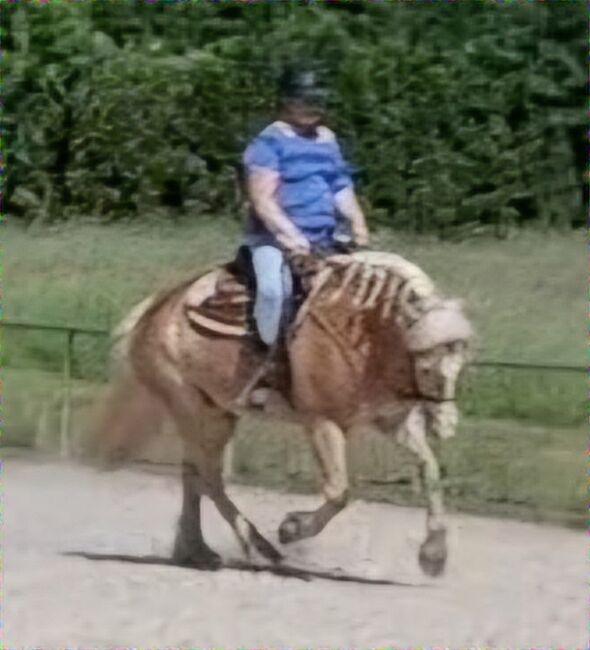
[(437, 371), (440, 341)]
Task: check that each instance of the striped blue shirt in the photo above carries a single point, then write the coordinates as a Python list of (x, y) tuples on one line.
[(312, 171)]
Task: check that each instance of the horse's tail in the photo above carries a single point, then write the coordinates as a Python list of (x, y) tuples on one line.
[(129, 415)]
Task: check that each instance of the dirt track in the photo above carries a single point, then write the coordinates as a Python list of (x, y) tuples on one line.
[(508, 583)]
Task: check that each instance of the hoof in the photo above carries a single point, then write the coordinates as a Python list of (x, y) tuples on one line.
[(433, 553), (289, 531), (202, 558), (295, 526)]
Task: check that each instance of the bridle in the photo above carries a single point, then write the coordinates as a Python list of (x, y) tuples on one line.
[(437, 400)]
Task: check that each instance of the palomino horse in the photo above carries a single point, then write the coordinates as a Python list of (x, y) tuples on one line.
[(373, 343)]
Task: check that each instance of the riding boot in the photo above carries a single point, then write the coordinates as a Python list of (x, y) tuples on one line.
[(251, 394)]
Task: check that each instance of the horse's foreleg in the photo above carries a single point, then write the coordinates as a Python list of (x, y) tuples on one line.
[(329, 447), (433, 552), (206, 429)]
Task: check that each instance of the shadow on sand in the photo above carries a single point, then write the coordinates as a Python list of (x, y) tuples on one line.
[(283, 570)]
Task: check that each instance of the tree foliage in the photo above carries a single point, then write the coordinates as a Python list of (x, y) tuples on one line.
[(457, 116)]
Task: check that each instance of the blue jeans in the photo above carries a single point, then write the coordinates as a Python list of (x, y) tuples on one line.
[(274, 289)]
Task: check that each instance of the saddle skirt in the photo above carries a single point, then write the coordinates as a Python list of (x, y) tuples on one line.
[(220, 304)]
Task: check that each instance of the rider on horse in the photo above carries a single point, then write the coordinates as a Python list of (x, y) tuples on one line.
[(298, 184)]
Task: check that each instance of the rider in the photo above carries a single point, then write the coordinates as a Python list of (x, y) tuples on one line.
[(297, 183)]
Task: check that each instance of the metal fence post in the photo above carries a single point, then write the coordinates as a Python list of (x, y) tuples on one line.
[(64, 433)]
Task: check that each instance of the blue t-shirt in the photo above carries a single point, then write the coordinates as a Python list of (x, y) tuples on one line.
[(312, 171)]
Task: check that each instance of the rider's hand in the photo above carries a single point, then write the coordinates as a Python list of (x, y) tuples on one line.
[(300, 250), (298, 245), (361, 238)]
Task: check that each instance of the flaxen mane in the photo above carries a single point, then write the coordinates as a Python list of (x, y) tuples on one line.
[(390, 285)]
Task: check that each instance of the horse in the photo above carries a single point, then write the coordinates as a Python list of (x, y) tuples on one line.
[(372, 344)]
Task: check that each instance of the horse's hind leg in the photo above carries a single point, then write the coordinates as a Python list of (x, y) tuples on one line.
[(189, 546), (206, 429), (329, 447)]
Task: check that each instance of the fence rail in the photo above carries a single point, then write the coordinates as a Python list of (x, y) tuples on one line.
[(69, 332), (72, 330), (54, 328), (528, 366)]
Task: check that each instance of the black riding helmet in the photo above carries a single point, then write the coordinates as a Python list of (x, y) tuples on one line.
[(304, 85)]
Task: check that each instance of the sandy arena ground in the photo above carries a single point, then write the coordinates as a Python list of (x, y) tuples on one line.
[(508, 584)]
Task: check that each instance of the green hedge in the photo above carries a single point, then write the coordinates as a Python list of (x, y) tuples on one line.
[(460, 117)]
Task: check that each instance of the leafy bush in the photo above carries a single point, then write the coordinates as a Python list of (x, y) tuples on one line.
[(458, 117)]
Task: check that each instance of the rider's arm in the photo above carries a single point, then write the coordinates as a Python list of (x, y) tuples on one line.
[(263, 185), (348, 205), (345, 199)]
